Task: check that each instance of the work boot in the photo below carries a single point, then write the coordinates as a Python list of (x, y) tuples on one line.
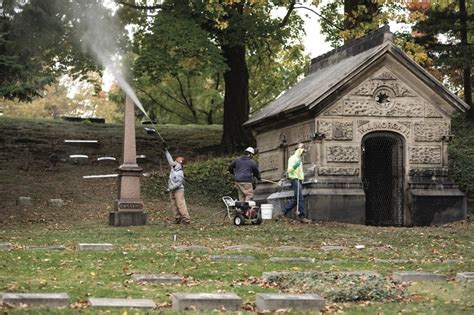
[(177, 220), (304, 220)]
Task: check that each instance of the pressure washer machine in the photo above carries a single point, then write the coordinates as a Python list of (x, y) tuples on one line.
[(242, 212)]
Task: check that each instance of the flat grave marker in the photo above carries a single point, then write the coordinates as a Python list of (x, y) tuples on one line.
[(121, 303), (81, 141), (47, 247), (24, 201), (297, 302), (183, 248), (57, 203), (465, 276), (241, 247), (100, 176), (206, 301), (95, 246), (328, 248), (44, 299), (232, 257), (292, 259), (416, 276), (157, 278), (287, 248), (6, 245)]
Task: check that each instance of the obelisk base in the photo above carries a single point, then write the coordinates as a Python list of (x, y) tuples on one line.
[(127, 218)]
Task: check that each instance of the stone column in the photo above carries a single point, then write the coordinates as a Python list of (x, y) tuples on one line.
[(128, 208)]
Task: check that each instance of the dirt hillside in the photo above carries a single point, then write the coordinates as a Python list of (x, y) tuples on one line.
[(27, 146)]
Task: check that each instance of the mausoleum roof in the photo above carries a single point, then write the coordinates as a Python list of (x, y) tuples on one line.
[(329, 72)]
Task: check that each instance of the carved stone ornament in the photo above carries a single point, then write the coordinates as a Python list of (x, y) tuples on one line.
[(338, 171), (428, 172), (426, 131), (425, 154), (338, 153), (336, 130), (386, 78), (384, 98)]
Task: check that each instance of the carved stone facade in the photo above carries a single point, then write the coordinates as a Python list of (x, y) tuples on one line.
[(384, 118)]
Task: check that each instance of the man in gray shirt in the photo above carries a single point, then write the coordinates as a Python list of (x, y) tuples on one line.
[(176, 189)]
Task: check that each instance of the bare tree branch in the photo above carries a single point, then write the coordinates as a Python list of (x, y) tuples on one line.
[(169, 110), (291, 7)]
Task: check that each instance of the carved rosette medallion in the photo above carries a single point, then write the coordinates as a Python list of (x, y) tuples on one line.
[(344, 154)]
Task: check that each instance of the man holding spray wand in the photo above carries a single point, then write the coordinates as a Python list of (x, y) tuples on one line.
[(296, 175)]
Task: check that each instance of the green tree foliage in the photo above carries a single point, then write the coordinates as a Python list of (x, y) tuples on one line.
[(26, 65), (41, 40), (208, 38), (447, 32)]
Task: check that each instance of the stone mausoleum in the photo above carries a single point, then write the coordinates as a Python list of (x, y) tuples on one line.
[(377, 128)]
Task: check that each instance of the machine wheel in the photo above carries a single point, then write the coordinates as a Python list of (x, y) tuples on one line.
[(239, 219)]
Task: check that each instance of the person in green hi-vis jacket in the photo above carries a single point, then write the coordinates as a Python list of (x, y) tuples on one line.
[(296, 175)]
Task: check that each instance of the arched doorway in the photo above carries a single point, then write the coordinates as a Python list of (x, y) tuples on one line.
[(382, 175)]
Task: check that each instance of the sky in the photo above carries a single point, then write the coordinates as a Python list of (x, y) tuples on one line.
[(314, 42)]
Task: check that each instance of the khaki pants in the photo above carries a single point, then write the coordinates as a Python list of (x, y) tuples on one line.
[(178, 204), (245, 191)]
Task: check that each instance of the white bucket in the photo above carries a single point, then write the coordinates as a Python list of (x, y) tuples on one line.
[(267, 210)]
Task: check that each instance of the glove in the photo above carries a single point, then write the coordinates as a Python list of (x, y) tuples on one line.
[(167, 190)]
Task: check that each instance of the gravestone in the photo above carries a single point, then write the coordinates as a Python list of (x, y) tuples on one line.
[(465, 276), (121, 303), (206, 301), (24, 201), (296, 302), (232, 257), (328, 248), (287, 248), (417, 276), (128, 208), (79, 159), (183, 248), (241, 247), (47, 247), (157, 278), (95, 246), (56, 203), (6, 245), (292, 259), (37, 299)]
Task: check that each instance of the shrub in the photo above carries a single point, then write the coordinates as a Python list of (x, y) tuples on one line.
[(461, 153), (207, 179), (340, 286)]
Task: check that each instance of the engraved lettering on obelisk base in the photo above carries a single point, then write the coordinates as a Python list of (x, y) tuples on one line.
[(128, 208)]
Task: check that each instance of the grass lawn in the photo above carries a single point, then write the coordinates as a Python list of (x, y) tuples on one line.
[(149, 249)]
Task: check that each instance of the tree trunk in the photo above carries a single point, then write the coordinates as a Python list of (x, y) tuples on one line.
[(236, 100), (467, 79)]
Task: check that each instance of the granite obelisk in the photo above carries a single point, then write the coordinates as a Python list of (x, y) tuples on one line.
[(128, 208)]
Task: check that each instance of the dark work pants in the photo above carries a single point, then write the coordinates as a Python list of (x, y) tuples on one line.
[(298, 198)]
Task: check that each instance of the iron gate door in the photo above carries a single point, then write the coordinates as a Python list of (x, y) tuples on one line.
[(382, 175)]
